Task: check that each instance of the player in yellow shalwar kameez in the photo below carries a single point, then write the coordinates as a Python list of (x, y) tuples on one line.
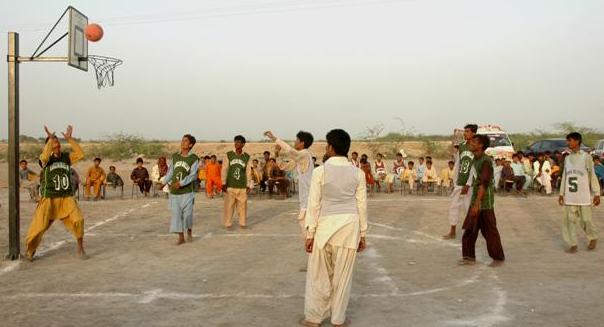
[(57, 195)]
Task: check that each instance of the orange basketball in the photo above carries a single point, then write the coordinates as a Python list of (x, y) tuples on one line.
[(93, 32)]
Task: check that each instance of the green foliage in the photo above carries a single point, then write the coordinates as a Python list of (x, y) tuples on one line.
[(124, 146)]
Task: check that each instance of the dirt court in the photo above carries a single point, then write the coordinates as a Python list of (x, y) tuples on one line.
[(408, 276)]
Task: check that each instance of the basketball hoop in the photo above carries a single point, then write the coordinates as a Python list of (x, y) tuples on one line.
[(103, 68)]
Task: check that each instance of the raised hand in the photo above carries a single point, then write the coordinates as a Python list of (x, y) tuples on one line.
[(48, 132), (270, 135), (68, 132)]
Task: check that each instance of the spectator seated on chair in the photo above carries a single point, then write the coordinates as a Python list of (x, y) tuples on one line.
[(366, 168), (75, 182), (381, 172), (542, 169), (519, 173), (507, 176), (95, 178), (140, 177), (497, 172), (28, 180), (446, 175), (409, 176), (113, 179), (256, 172), (159, 170), (277, 180), (421, 170), (430, 178), (398, 167)]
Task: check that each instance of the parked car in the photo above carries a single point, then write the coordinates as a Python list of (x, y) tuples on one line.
[(551, 145), (599, 149)]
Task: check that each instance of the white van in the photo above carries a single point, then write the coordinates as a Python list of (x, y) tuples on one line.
[(501, 145)]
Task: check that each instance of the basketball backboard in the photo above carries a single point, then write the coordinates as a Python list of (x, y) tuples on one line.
[(78, 44)]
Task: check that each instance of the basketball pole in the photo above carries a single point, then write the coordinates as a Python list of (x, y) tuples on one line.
[(13, 147)]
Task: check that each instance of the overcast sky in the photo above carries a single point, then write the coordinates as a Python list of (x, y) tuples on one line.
[(217, 68)]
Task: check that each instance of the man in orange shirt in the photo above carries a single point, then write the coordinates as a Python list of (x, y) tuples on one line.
[(95, 178), (213, 178)]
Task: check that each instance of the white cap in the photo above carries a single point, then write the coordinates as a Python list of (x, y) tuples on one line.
[(403, 153)]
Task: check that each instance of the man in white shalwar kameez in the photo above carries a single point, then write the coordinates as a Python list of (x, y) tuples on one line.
[(336, 224)]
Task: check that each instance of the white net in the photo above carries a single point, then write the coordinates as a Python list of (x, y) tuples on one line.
[(103, 68)]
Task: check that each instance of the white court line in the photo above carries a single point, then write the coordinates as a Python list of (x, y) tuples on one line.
[(10, 266), (496, 314), (150, 296), (58, 244), (434, 239)]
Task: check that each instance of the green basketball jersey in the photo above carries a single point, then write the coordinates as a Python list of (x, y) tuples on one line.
[(57, 177), (182, 168), (236, 176), (488, 201), (465, 164)]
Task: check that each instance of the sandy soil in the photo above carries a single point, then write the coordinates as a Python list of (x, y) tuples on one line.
[(408, 276)]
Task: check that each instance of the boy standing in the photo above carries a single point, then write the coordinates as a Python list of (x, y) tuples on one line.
[(579, 186), (213, 178), (481, 216), (460, 199), (237, 179), (180, 178), (302, 163)]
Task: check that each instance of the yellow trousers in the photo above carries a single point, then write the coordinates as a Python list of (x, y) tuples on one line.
[(96, 184), (235, 198), (48, 210)]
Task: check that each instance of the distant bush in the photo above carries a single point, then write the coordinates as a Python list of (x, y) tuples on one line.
[(124, 146)]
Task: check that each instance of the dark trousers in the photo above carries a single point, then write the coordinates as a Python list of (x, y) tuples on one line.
[(487, 225), (144, 185)]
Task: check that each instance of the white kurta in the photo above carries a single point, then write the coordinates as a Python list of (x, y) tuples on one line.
[(336, 237), (303, 164)]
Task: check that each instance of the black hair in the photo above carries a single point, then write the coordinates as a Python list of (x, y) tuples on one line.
[(314, 158), (472, 127), (97, 159), (428, 162), (191, 138), (483, 140), (355, 153), (428, 158), (399, 154), (421, 158), (266, 152), (515, 155), (207, 157), (451, 162), (213, 156), (363, 161), (111, 167), (140, 160), (22, 161), (273, 160), (575, 136), (411, 163), (520, 153), (339, 141), (379, 154), (540, 154), (255, 160), (548, 153), (305, 137), (239, 138), (364, 156)]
